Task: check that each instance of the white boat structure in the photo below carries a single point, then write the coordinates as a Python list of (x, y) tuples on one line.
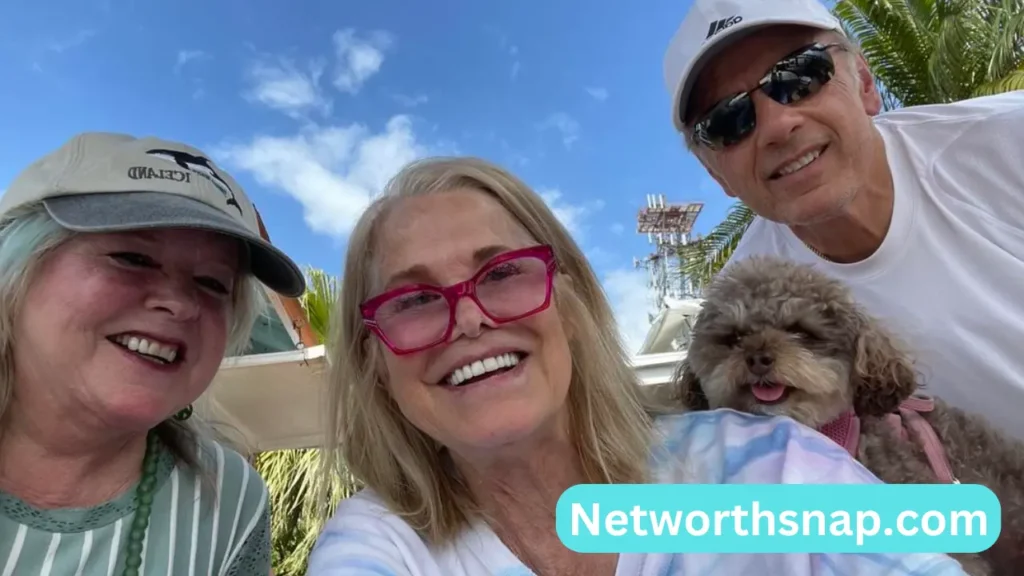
[(671, 327)]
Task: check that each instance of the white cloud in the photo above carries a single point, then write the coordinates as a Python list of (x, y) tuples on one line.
[(359, 58), (186, 56), (410, 101), (566, 125), (333, 171), (279, 84), (571, 215), (599, 94), (630, 299), (295, 90), (78, 39)]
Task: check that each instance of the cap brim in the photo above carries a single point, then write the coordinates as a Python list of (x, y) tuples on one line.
[(713, 48), (125, 211)]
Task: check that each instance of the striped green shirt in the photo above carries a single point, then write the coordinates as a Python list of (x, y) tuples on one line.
[(217, 525)]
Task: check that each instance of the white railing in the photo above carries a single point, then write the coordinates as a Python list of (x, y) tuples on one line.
[(657, 368)]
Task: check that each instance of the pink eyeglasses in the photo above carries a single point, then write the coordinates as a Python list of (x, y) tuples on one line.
[(511, 286)]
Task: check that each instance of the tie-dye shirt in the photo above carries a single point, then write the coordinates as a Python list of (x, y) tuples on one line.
[(715, 447)]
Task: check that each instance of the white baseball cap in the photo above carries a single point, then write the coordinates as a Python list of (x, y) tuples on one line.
[(712, 25), (105, 182)]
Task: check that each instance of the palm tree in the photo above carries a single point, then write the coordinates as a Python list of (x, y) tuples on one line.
[(927, 52), (318, 301), (293, 479), (702, 259), (922, 52), (293, 475)]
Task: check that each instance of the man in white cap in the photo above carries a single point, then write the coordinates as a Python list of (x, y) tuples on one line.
[(920, 210)]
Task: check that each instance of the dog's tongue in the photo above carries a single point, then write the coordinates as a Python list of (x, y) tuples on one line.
[(768, 392)]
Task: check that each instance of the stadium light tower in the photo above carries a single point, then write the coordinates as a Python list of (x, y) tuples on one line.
[(668, 228)]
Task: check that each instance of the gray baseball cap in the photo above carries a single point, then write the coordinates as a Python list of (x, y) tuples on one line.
[(106, 182)]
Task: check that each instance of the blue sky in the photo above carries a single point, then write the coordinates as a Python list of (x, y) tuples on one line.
[(312, 108)]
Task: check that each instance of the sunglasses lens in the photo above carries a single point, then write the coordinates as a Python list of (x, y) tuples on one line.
[(729, 122), (798, 77), (791, 80)]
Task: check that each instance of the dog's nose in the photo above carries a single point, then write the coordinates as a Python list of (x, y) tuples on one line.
[(759, 362)]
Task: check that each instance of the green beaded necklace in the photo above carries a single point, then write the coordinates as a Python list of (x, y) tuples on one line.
[(143, 507), (144, 499)]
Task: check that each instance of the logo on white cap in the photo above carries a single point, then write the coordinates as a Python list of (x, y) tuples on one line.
[(719, 25)]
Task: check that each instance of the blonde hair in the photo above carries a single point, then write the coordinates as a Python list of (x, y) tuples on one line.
[(27, 237), (364, 429)]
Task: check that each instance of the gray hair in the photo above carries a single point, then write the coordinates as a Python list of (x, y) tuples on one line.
[(27, 237)]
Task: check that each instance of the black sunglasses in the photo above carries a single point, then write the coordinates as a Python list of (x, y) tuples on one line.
[(795, 77)]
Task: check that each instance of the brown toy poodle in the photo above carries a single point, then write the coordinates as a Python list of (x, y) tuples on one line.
[(779, 338)]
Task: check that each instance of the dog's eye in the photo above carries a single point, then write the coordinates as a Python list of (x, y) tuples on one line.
[(731, 339), (801, 331)]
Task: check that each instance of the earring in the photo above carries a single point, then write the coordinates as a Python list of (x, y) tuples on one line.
[(184, 414)]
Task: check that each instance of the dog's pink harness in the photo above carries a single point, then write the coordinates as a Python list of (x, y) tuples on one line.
[(845, 431)]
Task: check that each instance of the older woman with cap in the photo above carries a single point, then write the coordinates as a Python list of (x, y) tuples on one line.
[(128, 269), (477, 373)]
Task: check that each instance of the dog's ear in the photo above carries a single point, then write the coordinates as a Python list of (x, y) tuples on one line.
[(883, 375), (690, 391)]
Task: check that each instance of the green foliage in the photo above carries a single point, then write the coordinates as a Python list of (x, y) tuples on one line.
[(921, 52), (293, 476), (702, 259), (933, 51), (318, 301), (293, 479)]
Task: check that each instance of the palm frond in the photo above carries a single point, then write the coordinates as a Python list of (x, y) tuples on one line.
[(702, 259), (1008, 42), (932, 51), (1009, 83), (894, 41), (293, 479), (318, 301)]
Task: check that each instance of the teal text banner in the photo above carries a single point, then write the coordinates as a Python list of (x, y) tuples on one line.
[(778, 518)]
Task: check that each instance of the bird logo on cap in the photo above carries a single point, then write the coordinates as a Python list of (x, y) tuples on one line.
[(199, 165)]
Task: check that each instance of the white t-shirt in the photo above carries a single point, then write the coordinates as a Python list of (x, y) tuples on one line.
[(712, 447), (949, 276)]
